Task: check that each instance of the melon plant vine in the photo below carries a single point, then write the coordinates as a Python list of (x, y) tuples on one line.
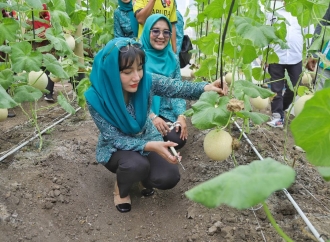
[(56, 57), (248, 37)]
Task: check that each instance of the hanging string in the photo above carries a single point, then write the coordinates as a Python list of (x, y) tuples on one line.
[(218, 56), (34, 32), (223, 40)]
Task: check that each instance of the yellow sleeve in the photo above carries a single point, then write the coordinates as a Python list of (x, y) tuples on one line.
[(173, 17), (139, 4)]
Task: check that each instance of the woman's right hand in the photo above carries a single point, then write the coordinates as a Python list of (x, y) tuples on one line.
[(161, 126), (162, 148)]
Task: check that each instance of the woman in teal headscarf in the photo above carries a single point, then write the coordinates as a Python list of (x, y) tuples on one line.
[(119, 102), (162, 60), (125, 23)]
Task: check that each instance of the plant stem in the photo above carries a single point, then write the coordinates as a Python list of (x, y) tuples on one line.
[(275, 225)]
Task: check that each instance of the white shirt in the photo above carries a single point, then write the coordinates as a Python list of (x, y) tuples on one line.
[(294, 38)]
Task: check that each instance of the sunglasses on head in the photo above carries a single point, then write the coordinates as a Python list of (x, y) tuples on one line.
[(123, 46), (156, 33)]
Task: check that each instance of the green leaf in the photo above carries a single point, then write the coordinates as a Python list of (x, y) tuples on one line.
[(58, 13), (6, 78), (83, 85), (256, 118), (244, 186), (35, 4), (311, 128), (65, 104), (260, 35), (78, 16), (302, 90), (189, 112), (259, 74), (218, 7), (207, 67), (52, 64), (6, 101), (208, 44), (24, 58), (210, 111), (325, 172), (249, 54), (252, 90), (27, 93), (8, 29)]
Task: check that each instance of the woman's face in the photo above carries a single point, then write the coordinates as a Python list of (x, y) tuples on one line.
[(131, 76), (125, 1), (159, 42)]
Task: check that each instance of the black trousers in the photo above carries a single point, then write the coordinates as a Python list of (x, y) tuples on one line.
[(174, 136), (152, 170), (277, 72)]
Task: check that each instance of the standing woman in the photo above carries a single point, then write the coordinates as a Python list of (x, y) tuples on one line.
[(162, 60), (119, 102), (125, 23)]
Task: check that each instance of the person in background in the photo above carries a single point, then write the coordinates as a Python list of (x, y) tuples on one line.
[(3, 55), (125, 23), (290, 60), (323, 73), (45, 23), (155, 40), (119, 101), (179, 30), (144, 8)]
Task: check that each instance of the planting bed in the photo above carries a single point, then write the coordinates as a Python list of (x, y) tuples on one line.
[(61, 194)]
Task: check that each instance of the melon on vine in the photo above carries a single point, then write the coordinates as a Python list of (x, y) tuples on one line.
[(218, 145)]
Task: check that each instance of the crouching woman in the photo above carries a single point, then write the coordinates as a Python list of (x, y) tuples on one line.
[(119, 102)]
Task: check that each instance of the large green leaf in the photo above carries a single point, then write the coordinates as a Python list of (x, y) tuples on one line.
[(260, 35), (325, 172), (256, 118), (5, 99), (207, 68), (218, 7), (65, 104), (23, 58), (58, 12), (83, 85), (35, 4), (210, 111), (54, 66), (311, 128), (8, 29), (27, 94), (6, 78), (244, 186), (249, 54), (252, 90), (208, 44)]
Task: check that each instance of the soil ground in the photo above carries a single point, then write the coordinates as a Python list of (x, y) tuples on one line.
[(61, 194)]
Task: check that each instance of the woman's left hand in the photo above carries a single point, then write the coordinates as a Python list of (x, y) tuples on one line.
[(216, 86), (184, 130)]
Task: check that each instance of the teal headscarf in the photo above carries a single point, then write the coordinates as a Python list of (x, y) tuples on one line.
[(128, 7), (161, 62), (106, 95)]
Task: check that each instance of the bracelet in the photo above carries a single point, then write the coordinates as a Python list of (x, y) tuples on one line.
[(181, 115), (155, 116)]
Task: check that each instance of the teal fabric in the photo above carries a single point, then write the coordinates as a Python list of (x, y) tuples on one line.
[(106, 95), (128, 7), (326, 51), (161, 62)]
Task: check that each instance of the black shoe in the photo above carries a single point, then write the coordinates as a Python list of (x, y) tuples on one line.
[(11, 114), (49, 98), (147, 192), (123, 207)]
